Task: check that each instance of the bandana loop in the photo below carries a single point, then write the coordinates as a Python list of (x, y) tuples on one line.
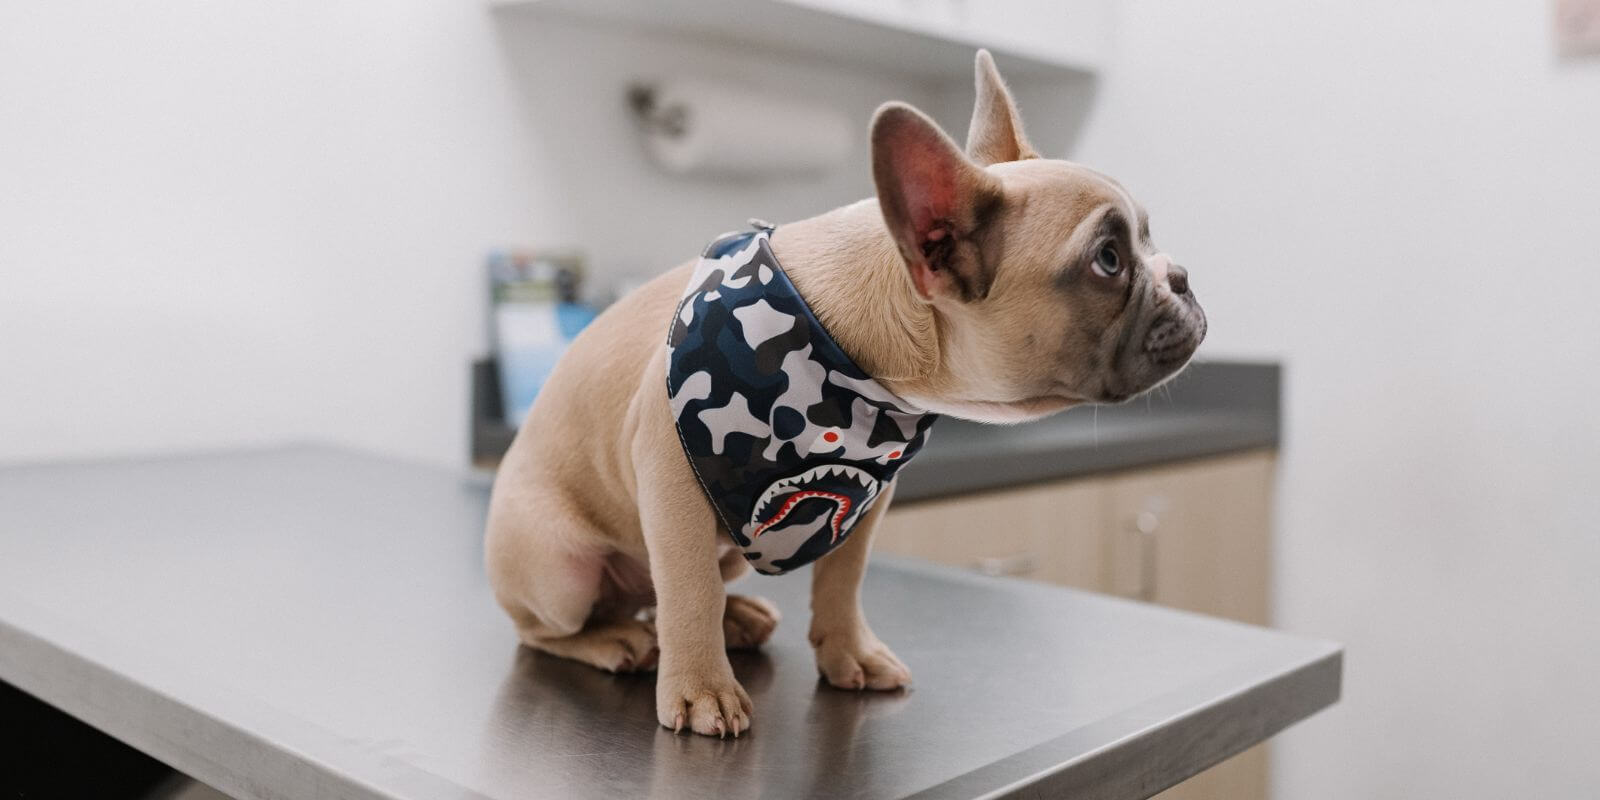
[(791, 441)]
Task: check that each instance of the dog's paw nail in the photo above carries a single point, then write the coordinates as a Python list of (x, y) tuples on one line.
[(677, 724), (722, 729)]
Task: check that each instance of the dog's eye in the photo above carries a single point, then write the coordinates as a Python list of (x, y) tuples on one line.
[(1106, 262)]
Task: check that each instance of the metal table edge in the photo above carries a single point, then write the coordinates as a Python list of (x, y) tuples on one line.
[(178, 733), (1216, 730)]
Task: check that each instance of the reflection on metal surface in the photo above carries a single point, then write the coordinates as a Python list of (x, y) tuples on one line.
[(605, 727)]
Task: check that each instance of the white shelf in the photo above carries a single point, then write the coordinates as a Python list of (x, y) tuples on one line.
[(924, 39)]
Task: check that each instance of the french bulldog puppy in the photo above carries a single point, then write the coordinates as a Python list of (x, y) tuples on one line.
[(990, 284)]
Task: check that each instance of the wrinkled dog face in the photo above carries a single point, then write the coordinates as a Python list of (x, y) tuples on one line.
[(1043, 271), (1127, 318)]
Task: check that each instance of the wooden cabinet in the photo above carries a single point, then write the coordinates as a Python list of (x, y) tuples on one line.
[(1195, 536), (1049, 533)]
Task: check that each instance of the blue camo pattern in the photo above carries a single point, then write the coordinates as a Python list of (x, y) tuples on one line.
[(791, 441)]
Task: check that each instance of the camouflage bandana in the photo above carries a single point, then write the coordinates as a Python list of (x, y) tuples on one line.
[(791, 441)]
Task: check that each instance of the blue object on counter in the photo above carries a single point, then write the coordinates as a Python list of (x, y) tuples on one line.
[(539, 334), (573, 318), (536, 315)]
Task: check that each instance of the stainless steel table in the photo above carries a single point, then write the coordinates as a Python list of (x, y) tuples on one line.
[(309, 622)]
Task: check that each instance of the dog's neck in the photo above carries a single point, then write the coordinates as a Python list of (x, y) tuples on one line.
[(846, 266)]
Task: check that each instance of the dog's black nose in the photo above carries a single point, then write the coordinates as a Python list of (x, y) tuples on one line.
[(1178, 279)]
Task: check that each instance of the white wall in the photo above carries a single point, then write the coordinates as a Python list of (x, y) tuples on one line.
[(245, 222), (251, 222), (1402, 201)]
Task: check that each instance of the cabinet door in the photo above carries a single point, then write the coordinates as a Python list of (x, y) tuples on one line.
[(1195, 536), (1198, 537), (1050, 532)]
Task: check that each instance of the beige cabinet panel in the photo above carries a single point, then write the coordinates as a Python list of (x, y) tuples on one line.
[(1243, 777), (1198, 537), (1050, 532), (1195, 536)]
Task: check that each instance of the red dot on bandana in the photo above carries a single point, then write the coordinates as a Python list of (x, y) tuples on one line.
[(830, 437), (895, 454)]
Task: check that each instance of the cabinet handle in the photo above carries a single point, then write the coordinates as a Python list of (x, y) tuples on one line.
[(1006, 566), (1147, 524)]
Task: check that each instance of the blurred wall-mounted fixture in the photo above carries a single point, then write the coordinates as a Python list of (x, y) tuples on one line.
[(1577, 28), (698, 127)]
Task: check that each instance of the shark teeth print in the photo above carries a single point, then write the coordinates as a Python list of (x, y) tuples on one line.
[(860, 477)]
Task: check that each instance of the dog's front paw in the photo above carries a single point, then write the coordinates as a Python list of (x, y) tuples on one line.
[(710, 702), (855, 659)]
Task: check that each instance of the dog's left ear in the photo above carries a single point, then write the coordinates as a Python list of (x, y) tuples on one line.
[(935, 202), (995, 135)]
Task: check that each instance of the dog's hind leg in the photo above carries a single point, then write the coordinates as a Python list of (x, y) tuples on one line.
[(748, 621), (626, 645), (557, 594)]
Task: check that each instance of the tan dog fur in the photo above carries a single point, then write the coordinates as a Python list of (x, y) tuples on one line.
[(967, 287)]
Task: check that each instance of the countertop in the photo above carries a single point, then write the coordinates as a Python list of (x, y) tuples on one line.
[(1209, 409), (310, 622)]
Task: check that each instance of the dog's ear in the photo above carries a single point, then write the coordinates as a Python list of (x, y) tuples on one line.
[(995, 135), (935, 202)]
